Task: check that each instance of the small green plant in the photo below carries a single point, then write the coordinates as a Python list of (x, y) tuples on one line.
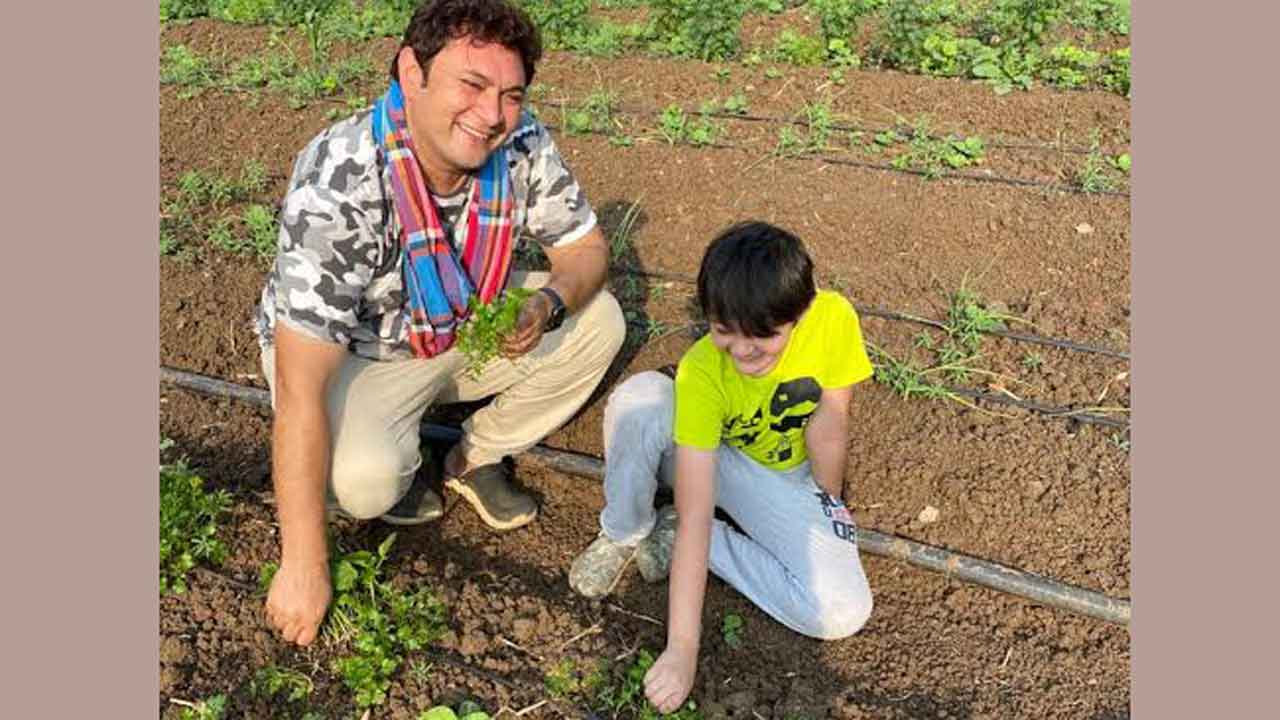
[(620, 241), (1070, 66), (1115, 72), (260, 223), (563, 23), (697, 29), (481, 334), (212, 708), (467, 710), (179, 65), (189, 519), (562, 681), (799, 49), (1120, 440), (1032, 361), (420, 670), (968, 318), (818, 119), (789, 142), (595, 114), (933, 155), (721, 74), (273, 680), (731, 629), (671, 123), (381, 622), (1095, 173)]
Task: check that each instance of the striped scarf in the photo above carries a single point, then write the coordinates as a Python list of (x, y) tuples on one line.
[(438, 285)]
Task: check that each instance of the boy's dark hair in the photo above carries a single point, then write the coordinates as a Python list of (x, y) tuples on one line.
[(436, 22), (755, 277)]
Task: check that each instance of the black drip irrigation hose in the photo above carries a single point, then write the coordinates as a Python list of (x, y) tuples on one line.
[(948, 174), (776, 120), (1037, 588), (892, 315), (884, 167)]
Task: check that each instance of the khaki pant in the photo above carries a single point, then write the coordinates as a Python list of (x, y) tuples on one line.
[(375, 408)]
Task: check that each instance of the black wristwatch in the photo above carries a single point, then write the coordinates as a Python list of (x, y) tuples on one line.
[(557, 310)]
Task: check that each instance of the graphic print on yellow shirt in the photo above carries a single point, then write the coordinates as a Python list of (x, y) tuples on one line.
[(765, 417)]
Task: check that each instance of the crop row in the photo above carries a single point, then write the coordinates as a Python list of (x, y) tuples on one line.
[(1009, 43)]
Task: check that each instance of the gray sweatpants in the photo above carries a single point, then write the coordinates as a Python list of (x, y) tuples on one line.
[(798, 560)]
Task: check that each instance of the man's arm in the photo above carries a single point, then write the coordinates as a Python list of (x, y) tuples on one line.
[(826, 438), (669, 681), (301, 450), (578, 271)]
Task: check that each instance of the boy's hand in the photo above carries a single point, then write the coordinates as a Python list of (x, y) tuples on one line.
[(669, 681)]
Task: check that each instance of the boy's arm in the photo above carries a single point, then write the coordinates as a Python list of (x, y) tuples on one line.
[(669, 681), (826, 438)]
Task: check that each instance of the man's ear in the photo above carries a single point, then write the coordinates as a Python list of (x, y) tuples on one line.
[(411, 75)]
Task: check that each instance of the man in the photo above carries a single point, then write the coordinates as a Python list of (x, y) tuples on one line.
[(393, 220)]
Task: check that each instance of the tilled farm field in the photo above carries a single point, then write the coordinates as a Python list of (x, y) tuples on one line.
[(1045, 490)]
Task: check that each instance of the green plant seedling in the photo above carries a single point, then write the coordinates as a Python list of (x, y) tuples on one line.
[(736, 104), (481, 334), (381, 621), (260, 223), (212, 708), (721, 74), (620, 242), (273, 680), (179, 65), (189, 519), (1032, 361), (671, 124), (772, 73), (731, 629)]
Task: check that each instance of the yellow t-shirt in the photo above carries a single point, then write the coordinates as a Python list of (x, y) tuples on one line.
[(765, 417)]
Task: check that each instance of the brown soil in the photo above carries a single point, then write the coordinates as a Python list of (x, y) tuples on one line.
[(1043, 494)]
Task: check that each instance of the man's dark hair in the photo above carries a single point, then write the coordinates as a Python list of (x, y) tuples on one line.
[(436, 22), (755, 277)]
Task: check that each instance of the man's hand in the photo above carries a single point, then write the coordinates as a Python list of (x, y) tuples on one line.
[(528, 331), (297, 601), (669, 681)]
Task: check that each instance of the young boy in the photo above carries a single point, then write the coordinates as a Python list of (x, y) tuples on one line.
[(755, 422)]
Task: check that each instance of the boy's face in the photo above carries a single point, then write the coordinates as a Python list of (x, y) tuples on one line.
[(753, 356)]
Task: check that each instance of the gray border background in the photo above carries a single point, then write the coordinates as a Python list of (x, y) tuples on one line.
[(1204, 331), (81, 393), (80, 527)]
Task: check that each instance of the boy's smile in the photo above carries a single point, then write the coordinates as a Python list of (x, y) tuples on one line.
[(752, 356)]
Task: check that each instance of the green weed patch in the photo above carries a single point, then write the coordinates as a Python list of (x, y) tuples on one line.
[(189, 524)]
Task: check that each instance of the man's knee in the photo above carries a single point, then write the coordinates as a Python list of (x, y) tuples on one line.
[(368, 482)]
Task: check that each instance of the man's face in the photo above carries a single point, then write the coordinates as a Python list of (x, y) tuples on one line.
[(753, 356), (470, 103)]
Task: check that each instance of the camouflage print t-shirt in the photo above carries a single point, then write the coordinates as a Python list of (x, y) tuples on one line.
[(337, 273)]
